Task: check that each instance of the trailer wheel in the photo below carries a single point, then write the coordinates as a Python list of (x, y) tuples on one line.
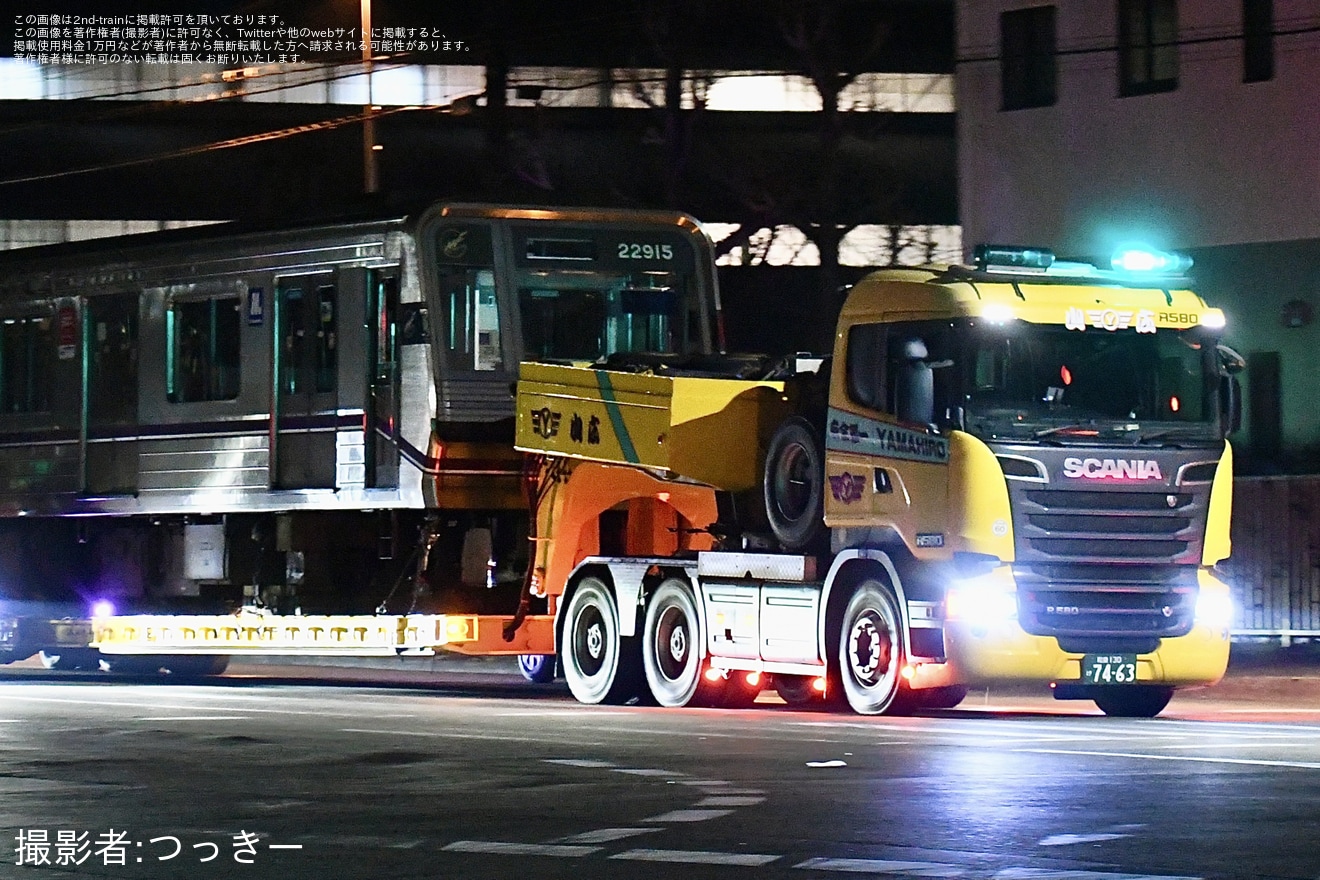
[(793, 484), (195, 665), (599, 666), (131, 664), (671, 648), (1133, 701), (871, 653), (537, 668), (64, 659)]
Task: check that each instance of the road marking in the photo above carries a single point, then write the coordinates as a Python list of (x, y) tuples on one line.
[(1249, 762), (1070, 839), (729, 801), (645, 772), (501, 848), (688, 815), (434, 734), (883, 866), (1054, 874), (579, 762), (126, 704), (194, 718), (696, 857), (606, 835)]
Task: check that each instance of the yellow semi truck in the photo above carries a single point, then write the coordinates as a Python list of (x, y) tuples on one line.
[(1010, 471), (1014, 470)]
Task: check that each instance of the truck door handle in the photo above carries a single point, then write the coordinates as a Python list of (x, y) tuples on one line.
[(883, 485)]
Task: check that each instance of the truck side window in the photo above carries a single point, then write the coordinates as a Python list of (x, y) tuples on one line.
[(866, 365)]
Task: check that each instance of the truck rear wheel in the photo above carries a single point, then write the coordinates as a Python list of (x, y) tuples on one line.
[(671, 648), (599, 666), (871, 653), (1133, 701), (793, 483)]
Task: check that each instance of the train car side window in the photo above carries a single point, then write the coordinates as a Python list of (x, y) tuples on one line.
[(467, 296), (27, 364), (202, 350), (113, 356), (309, 329)]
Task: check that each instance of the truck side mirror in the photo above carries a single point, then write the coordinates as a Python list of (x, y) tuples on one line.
[(916, 391), (1230, 390)]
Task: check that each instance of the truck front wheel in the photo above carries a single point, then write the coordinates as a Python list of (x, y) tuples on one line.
[(871, 653), (599, 666), (1132, 700)]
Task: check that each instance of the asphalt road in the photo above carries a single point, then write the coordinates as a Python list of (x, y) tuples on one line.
[(465, 772)]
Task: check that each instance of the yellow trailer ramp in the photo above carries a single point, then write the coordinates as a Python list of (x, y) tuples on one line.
[(710, 430)]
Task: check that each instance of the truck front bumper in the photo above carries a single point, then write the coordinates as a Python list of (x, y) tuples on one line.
[(984, 643)]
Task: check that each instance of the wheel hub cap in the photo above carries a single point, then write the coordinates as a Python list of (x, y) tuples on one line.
[(595, 641), (865, 651)]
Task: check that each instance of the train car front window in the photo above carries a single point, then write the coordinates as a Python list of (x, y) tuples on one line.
[(585, 294)]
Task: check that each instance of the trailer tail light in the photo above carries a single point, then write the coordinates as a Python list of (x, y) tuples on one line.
[(909, 671), (818, 685), (712, 674), (753, 678)]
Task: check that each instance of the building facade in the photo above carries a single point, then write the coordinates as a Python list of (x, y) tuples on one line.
[(1184, 124)]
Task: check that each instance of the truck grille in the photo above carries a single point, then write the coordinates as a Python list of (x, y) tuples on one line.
[(1106, 600), (1061, 525)]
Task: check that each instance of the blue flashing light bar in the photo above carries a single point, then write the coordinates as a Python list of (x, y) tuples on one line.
[(1136, 259), (1012, 256)]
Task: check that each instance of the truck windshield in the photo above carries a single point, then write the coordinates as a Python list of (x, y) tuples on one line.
[(1051, 384)]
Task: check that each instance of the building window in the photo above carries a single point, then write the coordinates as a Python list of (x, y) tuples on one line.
[(1257, 40), (1027, 57), (1147, 46)]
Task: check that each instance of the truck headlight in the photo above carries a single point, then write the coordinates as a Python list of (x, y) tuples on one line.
[(1214, 609), (981, 600)]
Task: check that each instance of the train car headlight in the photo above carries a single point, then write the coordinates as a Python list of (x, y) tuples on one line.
[(1214, 610)]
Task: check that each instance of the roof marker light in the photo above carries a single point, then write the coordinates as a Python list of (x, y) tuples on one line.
[(1012, 256), (1134, 258)]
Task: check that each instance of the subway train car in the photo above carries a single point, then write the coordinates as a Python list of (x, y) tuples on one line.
[(315, 418)]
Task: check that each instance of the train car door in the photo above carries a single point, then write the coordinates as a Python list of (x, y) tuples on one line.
[(382, 441), (110, 334), (305, 382)]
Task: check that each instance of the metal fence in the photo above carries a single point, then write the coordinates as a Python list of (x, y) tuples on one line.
[(1275, 567)]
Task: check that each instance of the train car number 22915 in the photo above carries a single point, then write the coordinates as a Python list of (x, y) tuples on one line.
[(631, 250)]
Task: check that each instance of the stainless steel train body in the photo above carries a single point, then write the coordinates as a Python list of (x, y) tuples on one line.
[(182, 412)]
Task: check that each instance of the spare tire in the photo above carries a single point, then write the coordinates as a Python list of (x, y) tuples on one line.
[(793, 484)]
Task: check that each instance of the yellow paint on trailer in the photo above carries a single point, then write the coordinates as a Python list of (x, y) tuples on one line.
[(711, 430)]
